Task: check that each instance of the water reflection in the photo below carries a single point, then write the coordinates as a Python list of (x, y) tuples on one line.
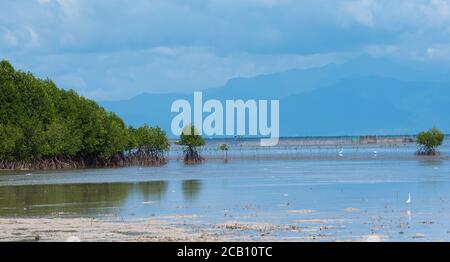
[(74, 198), (154, 190), (191, 189), (210, 188), (430, 161)]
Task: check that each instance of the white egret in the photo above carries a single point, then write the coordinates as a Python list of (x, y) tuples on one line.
[(408, 201), (341, 152)]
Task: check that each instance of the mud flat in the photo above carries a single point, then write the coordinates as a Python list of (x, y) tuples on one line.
[(151, 230), (83, 229), (185, 228)]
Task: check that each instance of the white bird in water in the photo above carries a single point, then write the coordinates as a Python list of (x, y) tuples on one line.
[(375, 152), (408, 201), (341, 152)]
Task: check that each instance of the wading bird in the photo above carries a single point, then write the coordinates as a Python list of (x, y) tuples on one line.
[(341, 152)]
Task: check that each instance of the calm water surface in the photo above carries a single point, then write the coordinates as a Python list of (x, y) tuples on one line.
[(357, 196)]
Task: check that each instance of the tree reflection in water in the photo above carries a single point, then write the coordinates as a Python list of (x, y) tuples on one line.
[(191, 189), (83, 199)]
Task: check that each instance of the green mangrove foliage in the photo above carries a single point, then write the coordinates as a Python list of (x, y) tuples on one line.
[(224, 148), (148, 145), (42, 126), (429, 141), (191, 139)]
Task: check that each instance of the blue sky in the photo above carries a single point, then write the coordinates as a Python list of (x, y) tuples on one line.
[(115, 49)]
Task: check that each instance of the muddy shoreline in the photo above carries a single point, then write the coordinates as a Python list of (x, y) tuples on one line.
[(146, 230), (177, 228)]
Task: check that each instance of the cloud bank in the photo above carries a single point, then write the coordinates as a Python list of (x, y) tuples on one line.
[(112, 49)]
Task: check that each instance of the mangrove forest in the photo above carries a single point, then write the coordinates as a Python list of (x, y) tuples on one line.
[(46, 127)]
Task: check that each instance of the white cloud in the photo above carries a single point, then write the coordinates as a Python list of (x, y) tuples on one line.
[(438, 52), (69, 7), (437, 11), (107, 49), (117, 75), (33, 35), (383, 50), (9, 39), (43, 2), (361, 11)]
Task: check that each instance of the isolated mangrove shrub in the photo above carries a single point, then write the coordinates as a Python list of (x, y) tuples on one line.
[(224, 148), (191, 139), (429, 141), (42, 126)]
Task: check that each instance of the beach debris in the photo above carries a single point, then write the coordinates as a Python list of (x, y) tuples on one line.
[(302, 211), (373, 238), (265, 228), (285, 194), (351, 209), (426, 222), (73, 239), (418, 235)]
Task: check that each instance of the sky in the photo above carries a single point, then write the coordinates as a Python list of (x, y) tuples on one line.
[(116, 49)]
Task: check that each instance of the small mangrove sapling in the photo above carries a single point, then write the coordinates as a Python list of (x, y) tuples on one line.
[(224, 148), (191, 139)]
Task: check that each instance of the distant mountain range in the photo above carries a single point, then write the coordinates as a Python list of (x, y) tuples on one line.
[(362, 96)]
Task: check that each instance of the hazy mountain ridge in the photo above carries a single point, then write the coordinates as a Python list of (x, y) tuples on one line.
[(362, 96)]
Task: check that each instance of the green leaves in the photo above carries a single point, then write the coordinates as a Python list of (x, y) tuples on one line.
[(62, 139), (39, 121), (6, 67), (151, 140), (429, 141), (224, 147), (11, 139), (190, 137)]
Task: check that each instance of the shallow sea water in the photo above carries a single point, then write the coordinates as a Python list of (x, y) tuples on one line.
[(357, 194)]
